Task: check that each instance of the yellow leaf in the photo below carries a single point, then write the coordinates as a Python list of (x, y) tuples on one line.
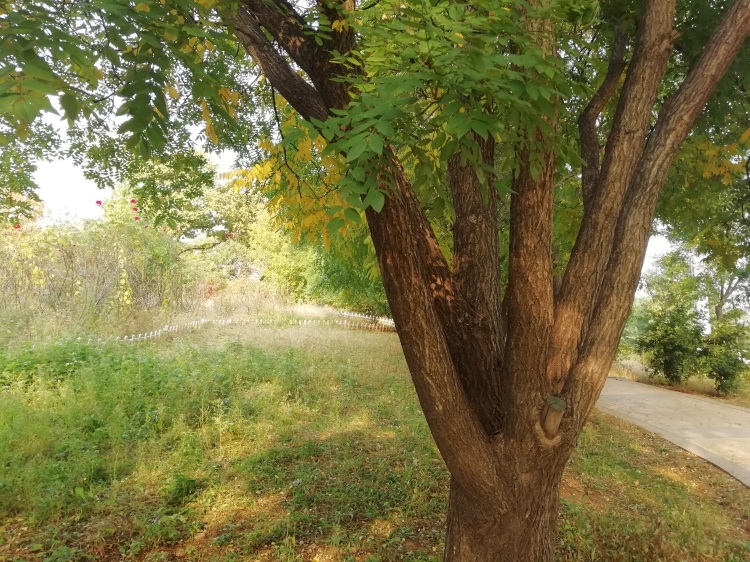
[(340, 25), (172, 91), (304, 149), (142, 7), (745, 136), (210, 130)]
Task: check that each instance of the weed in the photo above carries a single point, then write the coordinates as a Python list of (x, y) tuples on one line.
[(182, 489)]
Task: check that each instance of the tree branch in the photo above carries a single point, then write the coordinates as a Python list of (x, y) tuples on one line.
[(301, 95), (634, 225), (530, 291), (587, 129), (297, 38), (288, 29), (585, 271), (475, 317), (401, 235)]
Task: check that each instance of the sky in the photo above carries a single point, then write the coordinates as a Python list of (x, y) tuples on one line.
[(67, 195)]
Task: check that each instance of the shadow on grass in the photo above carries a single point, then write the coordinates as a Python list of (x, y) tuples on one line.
[(351, 496)]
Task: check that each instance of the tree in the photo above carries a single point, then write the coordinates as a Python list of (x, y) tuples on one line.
[(672, 334), (705, 208), (726, 352), (668, 326), (433, 103)]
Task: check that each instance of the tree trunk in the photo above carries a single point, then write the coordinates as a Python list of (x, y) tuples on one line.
[(523, 530)]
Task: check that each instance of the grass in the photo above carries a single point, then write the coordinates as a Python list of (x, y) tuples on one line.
[(296, 444)]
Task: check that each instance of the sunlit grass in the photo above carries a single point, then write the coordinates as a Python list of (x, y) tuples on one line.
[(296, 444)]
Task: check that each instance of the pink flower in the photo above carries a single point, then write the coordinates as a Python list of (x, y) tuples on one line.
[(98, 202), (17, 226), (135, 208), (132, 200), (145, 226), (136, 218)]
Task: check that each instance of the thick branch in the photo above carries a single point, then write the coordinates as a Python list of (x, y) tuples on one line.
[(530, 289), (399, 235), (587, 129), (593, 247), (474, 318), (288, 29), (301, 95), (633, 227)]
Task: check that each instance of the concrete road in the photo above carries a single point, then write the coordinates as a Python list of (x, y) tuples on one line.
[(719, 433)]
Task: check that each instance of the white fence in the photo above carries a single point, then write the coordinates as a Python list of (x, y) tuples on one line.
[(373, 323)]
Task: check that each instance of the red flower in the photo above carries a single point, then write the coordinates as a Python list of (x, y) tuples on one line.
[(135, 208), (98, 202), (132, 200), (136, 218), (145, 226), (230, 235), (17, 226)]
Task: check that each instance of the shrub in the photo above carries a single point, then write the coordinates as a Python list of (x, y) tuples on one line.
[(671, 339), (725, 351)]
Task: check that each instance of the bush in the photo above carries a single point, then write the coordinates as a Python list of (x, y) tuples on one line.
[(670, 340), (725, 351), (75, 280)]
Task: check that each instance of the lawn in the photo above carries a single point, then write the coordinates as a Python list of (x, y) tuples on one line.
[(301, 443)]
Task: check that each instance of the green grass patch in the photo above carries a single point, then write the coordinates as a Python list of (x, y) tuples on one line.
[(295, 444)]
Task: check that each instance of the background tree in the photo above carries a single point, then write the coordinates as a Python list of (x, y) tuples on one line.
[(426, 103), (671, 335), (726, 351), (97, 278), (668, 326)]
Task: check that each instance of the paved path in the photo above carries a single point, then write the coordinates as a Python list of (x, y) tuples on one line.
[(719, 433)]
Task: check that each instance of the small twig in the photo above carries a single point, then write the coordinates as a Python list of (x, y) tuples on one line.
[(201, 248)]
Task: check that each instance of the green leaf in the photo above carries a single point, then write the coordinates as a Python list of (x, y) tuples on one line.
[(335, 225), (385, 128), (352, 215), (374, 199), (70, 105), (358, 147), (375, 143)]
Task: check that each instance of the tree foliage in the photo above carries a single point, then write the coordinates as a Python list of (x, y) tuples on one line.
[(668, 326), (727, 351), (671, 336), (92, 279)]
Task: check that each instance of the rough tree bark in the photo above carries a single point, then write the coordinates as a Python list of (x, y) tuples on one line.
[(505, 406)]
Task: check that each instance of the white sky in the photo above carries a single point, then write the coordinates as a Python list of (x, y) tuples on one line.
[(67, 195)]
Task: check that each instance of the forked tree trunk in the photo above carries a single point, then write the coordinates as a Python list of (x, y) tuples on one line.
[(506, 389)]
